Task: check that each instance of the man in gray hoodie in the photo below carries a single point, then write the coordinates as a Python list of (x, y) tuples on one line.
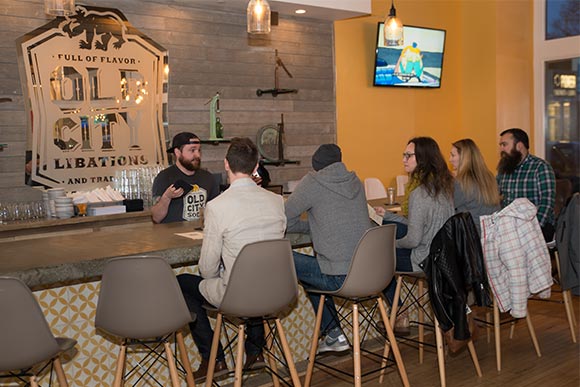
[(335, 202)]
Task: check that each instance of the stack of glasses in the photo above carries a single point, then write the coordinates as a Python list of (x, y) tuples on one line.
[(137, 183)]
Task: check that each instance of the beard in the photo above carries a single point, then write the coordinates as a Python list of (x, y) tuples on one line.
[(508, 162), (192, 165)]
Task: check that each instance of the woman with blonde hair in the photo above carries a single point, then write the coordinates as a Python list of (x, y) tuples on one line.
[(476, 189)]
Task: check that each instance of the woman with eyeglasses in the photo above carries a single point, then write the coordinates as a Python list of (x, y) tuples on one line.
[(430, 204), (476, 189)]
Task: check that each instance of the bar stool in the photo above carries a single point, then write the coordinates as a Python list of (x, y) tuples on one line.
[(140, 301), (518, 265), (417, 297), (453, 267), (25, 337), (371, 270), (568, 305), (566, 295), (262, 285), (497, 323)]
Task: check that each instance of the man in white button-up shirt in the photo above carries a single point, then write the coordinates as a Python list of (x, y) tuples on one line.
[(243, 214)]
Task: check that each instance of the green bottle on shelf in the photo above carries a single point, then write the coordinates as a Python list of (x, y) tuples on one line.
[(219, 128)]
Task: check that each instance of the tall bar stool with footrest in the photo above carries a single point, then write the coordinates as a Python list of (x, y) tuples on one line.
[(566, 253), (565, 248), (27, 346), (371, 270), (566, 296), (518, 265), (140, 301), (454, 267), (262, 285)]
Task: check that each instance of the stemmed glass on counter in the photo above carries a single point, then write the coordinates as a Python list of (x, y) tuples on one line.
[(22, 211)]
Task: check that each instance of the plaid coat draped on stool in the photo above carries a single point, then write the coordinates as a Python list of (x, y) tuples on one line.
[(516, 257)]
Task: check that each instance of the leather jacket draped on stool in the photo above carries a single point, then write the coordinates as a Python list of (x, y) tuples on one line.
[(455, 266)]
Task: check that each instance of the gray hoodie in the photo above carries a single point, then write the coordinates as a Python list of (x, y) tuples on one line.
[(335, 202)]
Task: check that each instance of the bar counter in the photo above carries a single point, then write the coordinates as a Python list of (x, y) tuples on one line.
[(56, 260)]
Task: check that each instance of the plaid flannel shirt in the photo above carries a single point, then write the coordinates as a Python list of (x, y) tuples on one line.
[(516, 257), (533, 179)]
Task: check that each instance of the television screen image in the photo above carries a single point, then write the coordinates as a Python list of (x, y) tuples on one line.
[(418, 62)]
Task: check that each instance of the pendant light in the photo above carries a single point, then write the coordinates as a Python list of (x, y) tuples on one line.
[(258, 14), (59, 7), (393, 28)]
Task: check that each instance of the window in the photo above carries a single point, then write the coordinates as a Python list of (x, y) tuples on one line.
[(562, 18), (562, 112), (556, 86)]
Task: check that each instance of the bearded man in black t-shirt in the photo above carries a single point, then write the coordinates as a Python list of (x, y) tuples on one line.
[(182, 190)]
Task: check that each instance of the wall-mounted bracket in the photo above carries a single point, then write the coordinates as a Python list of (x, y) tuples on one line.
[(277, 90)]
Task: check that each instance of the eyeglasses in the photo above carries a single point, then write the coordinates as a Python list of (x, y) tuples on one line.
[(407, 155)]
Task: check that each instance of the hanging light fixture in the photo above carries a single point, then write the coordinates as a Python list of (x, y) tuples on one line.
[(393, 28), (59, 7), (258, 14)]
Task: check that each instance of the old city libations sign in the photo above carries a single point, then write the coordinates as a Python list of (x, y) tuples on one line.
[(96, 92)]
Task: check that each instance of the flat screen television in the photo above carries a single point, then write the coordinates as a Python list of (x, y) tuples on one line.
[(416, 63)]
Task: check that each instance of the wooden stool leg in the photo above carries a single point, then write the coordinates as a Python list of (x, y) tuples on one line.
[(395, 305), (392, 320), (487, 326), (512, 329), (60, 373), (118, 382), (240, 356), (567, 302), (171, 364), (214, 349), (571, 304), (496, 331), (393, 342), (533, 334), (567, 296), (356, 346), (440, 354), (270, 356), (288, 354), (314, 344), (184, 359), (474, 357), (387, 348), (421, 317)]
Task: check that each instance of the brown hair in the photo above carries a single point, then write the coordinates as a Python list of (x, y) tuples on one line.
[(242, 155), (431, 171)]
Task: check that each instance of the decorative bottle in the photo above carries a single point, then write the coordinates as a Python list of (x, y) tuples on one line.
[(219, 128)]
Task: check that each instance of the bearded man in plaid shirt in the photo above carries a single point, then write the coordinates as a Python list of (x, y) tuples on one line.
[(522, 175)]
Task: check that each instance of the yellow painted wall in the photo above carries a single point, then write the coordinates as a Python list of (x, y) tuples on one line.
[(485, 78)]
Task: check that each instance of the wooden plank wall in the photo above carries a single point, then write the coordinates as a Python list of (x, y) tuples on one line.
[(209, 51)]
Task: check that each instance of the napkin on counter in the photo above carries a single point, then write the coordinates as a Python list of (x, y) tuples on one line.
[(97, 195)]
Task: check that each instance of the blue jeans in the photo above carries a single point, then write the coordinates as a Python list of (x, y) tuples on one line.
[(201, 329), (310, 276), (403, 261)]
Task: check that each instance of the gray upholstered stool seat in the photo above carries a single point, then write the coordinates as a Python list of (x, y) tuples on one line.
[(25, 337)]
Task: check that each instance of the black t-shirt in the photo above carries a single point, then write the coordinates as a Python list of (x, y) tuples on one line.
[(187, 207)]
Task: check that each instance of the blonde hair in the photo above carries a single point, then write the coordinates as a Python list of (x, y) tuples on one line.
[(473, 176)]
